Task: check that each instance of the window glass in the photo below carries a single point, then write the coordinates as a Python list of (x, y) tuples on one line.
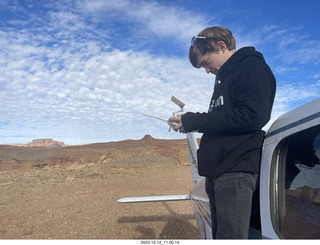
[(299, 186)]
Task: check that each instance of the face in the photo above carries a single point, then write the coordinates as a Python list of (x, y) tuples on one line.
[(211, 62)]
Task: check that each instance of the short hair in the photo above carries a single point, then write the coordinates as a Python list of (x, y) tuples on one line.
[(204, 45)]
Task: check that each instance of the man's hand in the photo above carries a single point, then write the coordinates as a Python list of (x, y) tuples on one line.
[(177, 120)]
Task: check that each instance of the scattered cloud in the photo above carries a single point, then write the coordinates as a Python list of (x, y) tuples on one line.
[(154, 17), (79, 87)]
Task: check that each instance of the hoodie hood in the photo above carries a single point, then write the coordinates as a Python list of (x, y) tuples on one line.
[(238, 56)]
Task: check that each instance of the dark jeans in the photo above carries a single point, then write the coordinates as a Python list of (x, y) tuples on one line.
[(230, 198)]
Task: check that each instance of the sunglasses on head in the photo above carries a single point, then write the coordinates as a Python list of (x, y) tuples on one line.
[(193, 39)]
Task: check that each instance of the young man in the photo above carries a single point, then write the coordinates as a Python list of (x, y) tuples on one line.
[(230, 148)]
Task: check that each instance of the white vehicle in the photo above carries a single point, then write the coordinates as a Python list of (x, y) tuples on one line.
[(287, 205)]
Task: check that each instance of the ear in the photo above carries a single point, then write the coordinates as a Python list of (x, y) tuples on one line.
[(222, 46)]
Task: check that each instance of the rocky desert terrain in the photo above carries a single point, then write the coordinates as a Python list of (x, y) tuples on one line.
[(53, 191)]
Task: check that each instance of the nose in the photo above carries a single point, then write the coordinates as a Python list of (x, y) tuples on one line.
[(208, 70)]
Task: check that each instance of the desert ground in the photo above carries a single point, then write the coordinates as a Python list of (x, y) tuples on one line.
[(71, 192)]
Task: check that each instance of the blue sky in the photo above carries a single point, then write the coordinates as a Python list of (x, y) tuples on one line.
[(84, 71)]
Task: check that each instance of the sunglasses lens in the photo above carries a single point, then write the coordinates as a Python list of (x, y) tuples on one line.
[(193, 39)]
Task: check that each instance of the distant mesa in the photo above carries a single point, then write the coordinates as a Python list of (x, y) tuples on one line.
[(147, 137), (45, 143)]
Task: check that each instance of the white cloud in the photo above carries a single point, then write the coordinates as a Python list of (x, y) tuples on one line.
[(90, 94), (154, 17), (290, 96)]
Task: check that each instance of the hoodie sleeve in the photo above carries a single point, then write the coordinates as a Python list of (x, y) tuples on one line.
[(254, 90)]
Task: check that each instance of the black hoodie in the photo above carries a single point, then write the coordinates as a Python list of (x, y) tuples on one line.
[(240, 106)]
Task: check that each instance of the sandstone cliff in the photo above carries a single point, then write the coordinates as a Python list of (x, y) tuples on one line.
[(45, 143)]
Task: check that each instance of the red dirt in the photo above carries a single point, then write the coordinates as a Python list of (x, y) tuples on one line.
[(72, 192)]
